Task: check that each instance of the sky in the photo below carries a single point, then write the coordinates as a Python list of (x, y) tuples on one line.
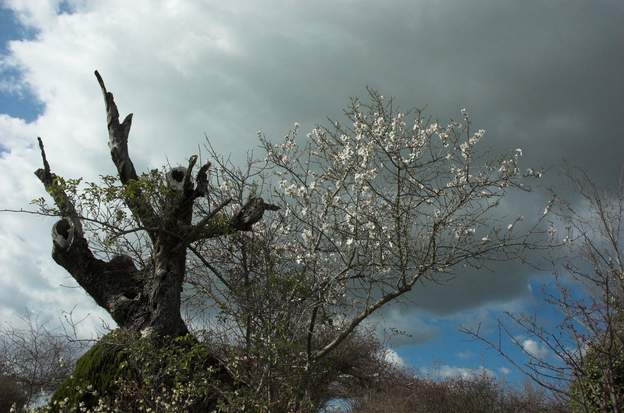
[(544, 76)]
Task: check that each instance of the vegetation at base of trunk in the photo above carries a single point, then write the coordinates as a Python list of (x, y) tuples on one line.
[(98, 368), (126, 372)]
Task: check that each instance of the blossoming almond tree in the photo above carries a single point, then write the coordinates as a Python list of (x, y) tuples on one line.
[(367, 210), (376, 206)]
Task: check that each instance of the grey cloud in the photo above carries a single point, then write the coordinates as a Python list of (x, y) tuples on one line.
[(470, 289), (402, 324)]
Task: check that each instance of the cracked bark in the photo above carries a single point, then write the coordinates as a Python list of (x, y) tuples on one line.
[(145, 300)]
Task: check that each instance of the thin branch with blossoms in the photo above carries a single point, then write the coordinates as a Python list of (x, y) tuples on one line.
[(390, 202)]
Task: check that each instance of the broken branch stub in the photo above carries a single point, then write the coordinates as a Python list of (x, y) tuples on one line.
[(117, 135), (187, 184), (175, 178), (251, 213), (201, 188), (118, 144)]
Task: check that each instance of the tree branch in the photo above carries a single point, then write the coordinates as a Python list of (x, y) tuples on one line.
[(111, 284), (51, 184), (358, 319), (118, 144), (214, 225), (251, 213), (210, 226), (201, 186), (211, 267)]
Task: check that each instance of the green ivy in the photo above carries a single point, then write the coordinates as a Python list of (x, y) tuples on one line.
[(589, 391)]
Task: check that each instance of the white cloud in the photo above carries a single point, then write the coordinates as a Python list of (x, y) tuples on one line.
[(504, 370), (393, 358), (34, 13), (534, 348)]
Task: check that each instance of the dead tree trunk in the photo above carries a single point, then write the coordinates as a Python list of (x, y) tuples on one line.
[(146, 300)]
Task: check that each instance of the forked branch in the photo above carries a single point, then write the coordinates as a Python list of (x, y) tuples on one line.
[(118, 144)]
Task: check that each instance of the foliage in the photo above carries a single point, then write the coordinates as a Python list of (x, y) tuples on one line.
[(276, 379), (600, 388), (98, 368), (125, 372), (129, 373), (34, 359)]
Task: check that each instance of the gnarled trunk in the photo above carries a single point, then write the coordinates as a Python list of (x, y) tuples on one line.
[(146, 300)]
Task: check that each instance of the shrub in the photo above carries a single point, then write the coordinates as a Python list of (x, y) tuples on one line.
[(400, 392), (126, 372), (601, 387)]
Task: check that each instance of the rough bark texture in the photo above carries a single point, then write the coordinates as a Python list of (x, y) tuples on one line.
[(142, 300)]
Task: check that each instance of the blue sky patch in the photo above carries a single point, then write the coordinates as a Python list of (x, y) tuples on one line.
[(19, 102), (64, 8)]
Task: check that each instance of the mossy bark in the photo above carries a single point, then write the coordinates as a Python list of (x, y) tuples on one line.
[(131, 373)]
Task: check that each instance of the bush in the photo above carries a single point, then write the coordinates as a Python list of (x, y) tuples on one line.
[(601, 387), (400, 392), (125, 372)]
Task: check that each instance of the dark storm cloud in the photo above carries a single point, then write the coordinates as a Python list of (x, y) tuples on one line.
[(545, 76), (542, 76), (470, 289)]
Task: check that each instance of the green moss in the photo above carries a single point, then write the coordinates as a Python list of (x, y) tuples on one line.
[(128, 372), (98, 369)]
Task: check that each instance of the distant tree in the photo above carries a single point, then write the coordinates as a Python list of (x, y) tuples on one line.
[(34, 360), (400, 391), (362, 213), (583, 361)]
